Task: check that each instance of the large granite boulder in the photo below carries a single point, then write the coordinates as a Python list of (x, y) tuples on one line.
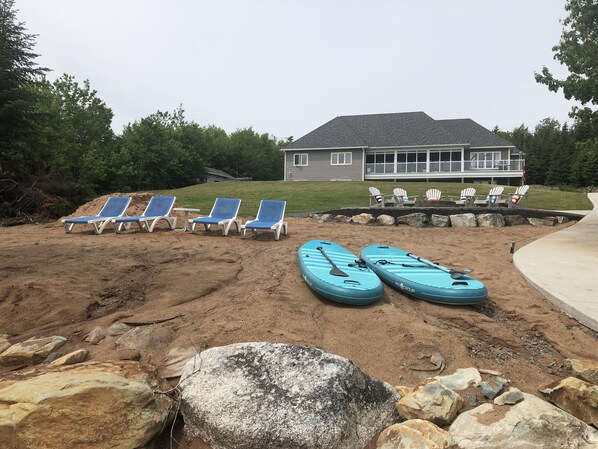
[(31, 351), (530, 424), (385, 220), (363, 219), (417, 219), (440, 221), (491, 220), (546, 221), (413, 434), (267, 395), (463, 220), (4, 343), (575, 396), (85, 406), (515, 220)]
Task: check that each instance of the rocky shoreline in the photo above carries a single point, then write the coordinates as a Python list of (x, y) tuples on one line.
[(274, 395)]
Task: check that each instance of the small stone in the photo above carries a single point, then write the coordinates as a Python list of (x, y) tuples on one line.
[(461, 379), (71, 358), (116, 329), (413, 434), (403, 390), (491, 388), (128, 354), (584, 369), (511, 397), (96, 335), (561, 219), (31, 351), (432, 402), (53, 356)]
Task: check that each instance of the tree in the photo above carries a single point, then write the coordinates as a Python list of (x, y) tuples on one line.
[(18, 73), (577, 50)]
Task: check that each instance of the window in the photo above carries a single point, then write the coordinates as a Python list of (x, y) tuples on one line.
[(300, 160), (341, 158), (482, 160)]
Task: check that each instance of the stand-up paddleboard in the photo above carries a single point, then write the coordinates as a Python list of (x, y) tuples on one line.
[(335, 273), (422, 278)]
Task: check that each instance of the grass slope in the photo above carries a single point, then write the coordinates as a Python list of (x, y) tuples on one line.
[(315, 196)]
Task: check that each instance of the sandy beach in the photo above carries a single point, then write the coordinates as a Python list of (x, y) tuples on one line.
[(214, 290)]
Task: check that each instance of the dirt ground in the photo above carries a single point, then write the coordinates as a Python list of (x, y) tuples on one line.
[(221, 290)]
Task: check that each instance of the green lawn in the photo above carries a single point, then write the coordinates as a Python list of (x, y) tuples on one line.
[(320, 196)]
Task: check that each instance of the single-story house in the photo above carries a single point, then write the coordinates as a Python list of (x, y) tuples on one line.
[(403, 146)]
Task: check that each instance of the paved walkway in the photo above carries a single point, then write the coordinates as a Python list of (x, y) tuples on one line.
[(563, 266)]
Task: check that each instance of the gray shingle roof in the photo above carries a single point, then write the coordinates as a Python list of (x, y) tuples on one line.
[(396, 130), (474, 133)]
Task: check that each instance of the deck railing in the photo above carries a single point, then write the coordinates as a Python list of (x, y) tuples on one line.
[(446, 167)]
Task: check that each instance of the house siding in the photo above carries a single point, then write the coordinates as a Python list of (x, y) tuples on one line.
[(320, 169)]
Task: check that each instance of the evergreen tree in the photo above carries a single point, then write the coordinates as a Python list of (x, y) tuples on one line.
[(18, 73)]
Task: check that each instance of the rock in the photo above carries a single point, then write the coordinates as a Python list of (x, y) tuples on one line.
[(491, 220), (96, 335), (413, 434), (530, 424), (584, 369), (4, 343), (145, 338), (440, 221), (53, 356), (71, 358), (128, 354), (463, 220), (385, 220), (417, 219), (513, 396), (363, 219), (175, 361), (31, 351), (561, 219), (515, 220), (342, 219), (546, 221), (321, 218), (90, 405), (461, 379), (267, 395), (575, 396), (116, 329), (432, 402), (491, 388), (403, 390)]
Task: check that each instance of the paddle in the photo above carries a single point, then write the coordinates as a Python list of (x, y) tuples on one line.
[(335, 270), (455, 274)]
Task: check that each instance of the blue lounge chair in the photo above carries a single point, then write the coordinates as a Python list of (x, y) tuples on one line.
[(270, 216), (223, 213), (114, 207), (158, 208)]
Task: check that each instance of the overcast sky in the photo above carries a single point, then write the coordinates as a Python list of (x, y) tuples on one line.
[(286, 67)]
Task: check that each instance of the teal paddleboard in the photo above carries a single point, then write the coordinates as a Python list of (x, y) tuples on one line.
[(422, 278), (336, 273)]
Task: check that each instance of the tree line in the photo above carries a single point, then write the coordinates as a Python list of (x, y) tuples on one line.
[(58, 149)]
